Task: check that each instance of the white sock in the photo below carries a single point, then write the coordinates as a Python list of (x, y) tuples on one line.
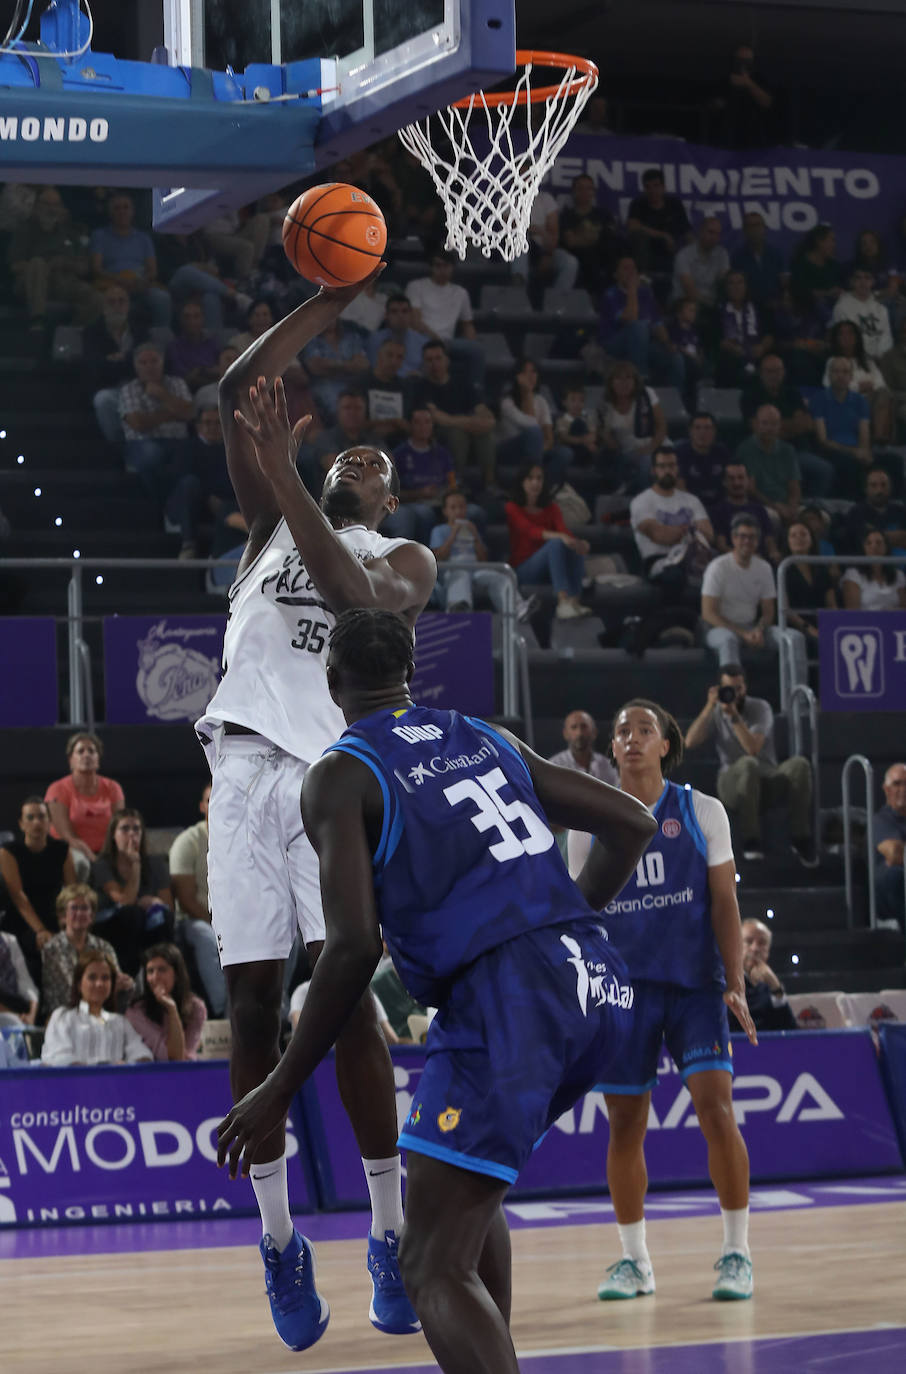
[(269, 1183), (385, 1188), (632, 1239), (736, 1231)]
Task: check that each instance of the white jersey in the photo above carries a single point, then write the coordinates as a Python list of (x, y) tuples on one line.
[(275, 648), (713, 821)]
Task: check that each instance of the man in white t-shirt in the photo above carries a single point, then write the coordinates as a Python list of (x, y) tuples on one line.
[(665, 520), (700, 267), (861, 307), (189, 882), (442, 310), (739, 601)]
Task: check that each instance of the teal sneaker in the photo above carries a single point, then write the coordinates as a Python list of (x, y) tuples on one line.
[(734, 1283), (627, 1279)]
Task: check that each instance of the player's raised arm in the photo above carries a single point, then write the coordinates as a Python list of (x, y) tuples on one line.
[(334, 796), (269, 357), (402, 581), (621, 825)]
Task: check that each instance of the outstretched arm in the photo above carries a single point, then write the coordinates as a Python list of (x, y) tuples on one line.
[(268, 357), (401, 582), (334, 795), (621, 825), (728, 934)]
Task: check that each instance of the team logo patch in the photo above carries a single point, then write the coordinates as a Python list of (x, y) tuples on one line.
[(671, 828), (449, 1118)]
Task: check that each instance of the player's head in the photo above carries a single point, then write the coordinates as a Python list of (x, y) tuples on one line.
[(644, 734), (370, 660), (361, 487)]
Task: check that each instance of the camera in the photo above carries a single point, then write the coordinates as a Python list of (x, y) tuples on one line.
[(726, 694)]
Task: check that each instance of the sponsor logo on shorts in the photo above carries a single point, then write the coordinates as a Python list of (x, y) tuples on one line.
[(671, 828), (594, 983), (449, 1118), (415, 1115), (712, 1051)]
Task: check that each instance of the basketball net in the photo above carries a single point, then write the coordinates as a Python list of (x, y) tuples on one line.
[(488, 194)]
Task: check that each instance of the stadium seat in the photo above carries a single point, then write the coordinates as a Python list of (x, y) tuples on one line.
[(506, 302), (67, 343), (819, 1010), (576, 305), (722, 403), (675, 413), (497, 353), (868, 1008)]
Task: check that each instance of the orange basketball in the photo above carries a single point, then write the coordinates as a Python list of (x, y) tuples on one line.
[(334, 235)]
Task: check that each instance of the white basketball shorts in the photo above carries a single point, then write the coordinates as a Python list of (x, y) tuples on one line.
[(262, 871)]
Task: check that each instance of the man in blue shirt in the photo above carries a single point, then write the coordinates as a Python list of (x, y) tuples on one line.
[(429, 826), (761, 262), (843, 428)]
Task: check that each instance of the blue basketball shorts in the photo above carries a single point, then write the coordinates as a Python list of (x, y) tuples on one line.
[(692, 1022), (526, 1030)]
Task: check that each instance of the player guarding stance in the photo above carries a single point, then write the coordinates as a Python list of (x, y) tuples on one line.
[(677, 924), (270, 717), (433, 827)]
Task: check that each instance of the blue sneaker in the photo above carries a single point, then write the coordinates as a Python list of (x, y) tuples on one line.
[(300, 1313), (390, 1311)]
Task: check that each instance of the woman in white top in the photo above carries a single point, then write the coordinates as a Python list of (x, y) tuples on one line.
[(878, 587), (633, 423), (527, 427), (88, 1031)]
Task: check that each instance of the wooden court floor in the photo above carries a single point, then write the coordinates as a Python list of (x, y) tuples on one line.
[(818, 1270)]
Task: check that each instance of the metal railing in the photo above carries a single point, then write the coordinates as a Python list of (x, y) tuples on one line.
[(859, 761), (805, 693), (515, 685), (785, 655)]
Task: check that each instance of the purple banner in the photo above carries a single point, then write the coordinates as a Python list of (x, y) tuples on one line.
[(793, 188), (454, 663), (120, 1143), (862, 658), (160, 668), (808, 1104), (28, 695)]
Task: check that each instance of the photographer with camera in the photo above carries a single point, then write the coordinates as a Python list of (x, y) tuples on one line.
[(750, 779)]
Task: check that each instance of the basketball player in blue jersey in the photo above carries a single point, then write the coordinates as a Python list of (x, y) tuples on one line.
[(433, 828), (271, 716), (676, 923)]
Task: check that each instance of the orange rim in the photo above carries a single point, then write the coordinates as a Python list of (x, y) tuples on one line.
[(528, 57)]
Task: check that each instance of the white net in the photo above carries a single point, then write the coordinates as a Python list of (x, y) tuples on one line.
[(488, 176)]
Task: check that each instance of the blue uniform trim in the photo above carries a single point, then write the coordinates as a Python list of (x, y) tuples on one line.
[(621, 1090), (504, 743), (691, 821), (701, 1064), (392, 823), (456, 1157)]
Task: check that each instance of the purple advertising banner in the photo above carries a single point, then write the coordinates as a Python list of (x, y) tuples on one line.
[(793, 188), (28, 696), (120, 1143), (809, 1104), (160, 668), (454, 663), (862, 658)]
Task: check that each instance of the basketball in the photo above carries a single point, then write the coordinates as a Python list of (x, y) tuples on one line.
[(334, 235)]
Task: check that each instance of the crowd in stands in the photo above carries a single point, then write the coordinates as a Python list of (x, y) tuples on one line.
[(809, 348)]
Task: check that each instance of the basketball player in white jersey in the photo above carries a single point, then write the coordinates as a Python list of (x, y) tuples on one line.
[(271, 717)]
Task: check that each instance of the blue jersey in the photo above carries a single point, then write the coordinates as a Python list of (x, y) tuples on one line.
[(466, 859), (661, 921)]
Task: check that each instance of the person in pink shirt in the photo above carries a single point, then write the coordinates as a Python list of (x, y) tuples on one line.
[(167, 1014), (82, 804)]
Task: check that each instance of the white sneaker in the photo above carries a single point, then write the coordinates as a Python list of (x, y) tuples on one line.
[(627, 1279), (566, 610), (734, 1281)]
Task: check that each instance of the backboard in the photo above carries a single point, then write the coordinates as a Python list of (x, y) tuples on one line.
[(245, 97), (383, 63)]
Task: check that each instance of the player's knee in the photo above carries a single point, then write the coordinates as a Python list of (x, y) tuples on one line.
[(412, 1261), (716, 1117), (628, 1121)]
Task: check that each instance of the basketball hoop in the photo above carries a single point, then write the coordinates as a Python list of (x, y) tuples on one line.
[(488, 192)]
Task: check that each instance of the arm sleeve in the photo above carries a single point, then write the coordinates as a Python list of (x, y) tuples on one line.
[(555, 516), (57, 1046), (715, 826), (134, 1046), (578, 846), (26, 987), (195, 1026)]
